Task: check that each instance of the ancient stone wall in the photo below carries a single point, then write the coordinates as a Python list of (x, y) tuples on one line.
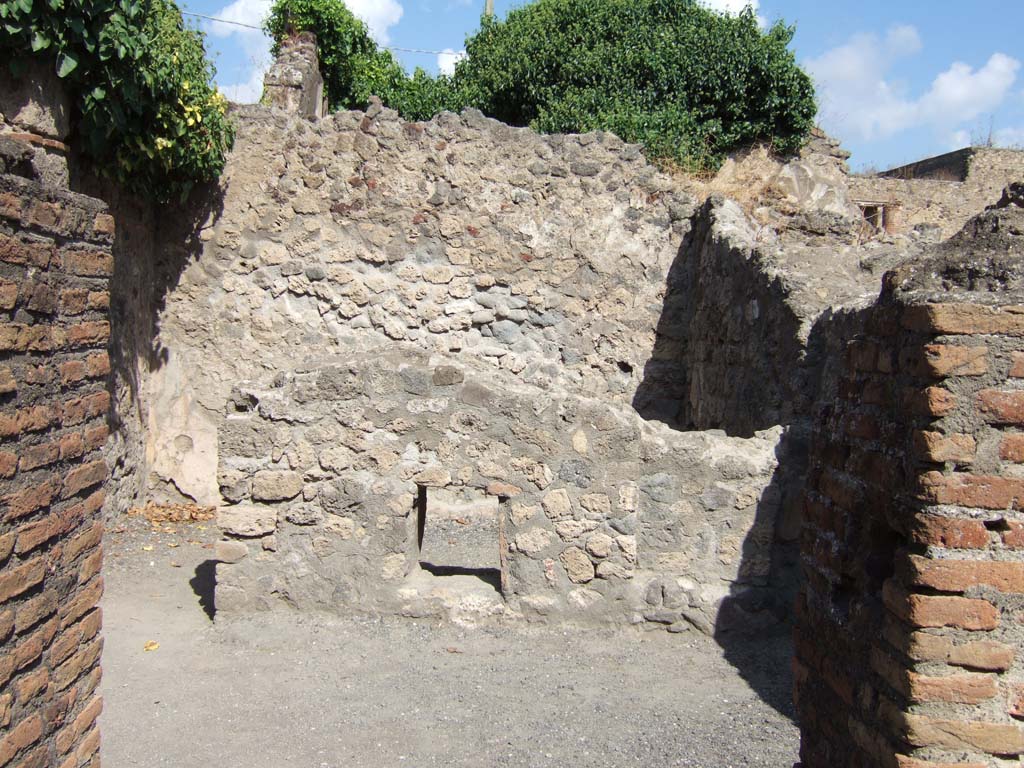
[(565, 269), (294, 83), (909, 620), (544, 256), (534, 268), (727, 353), (35, 110), (55, 262), (327, 465)]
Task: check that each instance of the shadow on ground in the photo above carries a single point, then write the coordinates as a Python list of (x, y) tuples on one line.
[(728, 355), (204, 584)]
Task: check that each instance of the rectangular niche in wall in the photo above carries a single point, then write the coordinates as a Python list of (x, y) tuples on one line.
[(458, 534)]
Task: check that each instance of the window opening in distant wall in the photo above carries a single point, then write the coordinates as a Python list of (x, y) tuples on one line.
[(874, 215), (883, 217)]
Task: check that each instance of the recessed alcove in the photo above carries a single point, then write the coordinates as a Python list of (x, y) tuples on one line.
[(457, 534)]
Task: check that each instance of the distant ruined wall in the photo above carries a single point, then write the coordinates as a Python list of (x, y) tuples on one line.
[(909, 621), (55, 263), (944, 192)]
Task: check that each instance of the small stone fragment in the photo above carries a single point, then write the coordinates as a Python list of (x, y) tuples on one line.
[(533, 541), (557, 504), (600, 545), (276, 485), (247, 521), (577, 565), (434, 477), (447, 375), (230, 551)]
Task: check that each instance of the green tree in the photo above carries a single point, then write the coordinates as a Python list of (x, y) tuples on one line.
[(688, 83)]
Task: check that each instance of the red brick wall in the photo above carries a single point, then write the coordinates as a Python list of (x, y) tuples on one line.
[(911, 618), (55, 262)]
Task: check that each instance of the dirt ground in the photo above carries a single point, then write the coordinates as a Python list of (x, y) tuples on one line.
[(326, 692)]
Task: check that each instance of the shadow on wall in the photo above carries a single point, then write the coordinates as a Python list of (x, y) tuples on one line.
[(728, 356), (758, 647), (152, 247), (754, 623), (727, 352)]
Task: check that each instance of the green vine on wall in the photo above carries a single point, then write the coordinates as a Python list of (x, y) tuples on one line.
[(146, 111)]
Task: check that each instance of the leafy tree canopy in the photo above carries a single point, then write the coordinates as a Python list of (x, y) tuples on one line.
[(688, 83)]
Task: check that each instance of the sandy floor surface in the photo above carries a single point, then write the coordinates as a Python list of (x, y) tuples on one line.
[(327, 692)]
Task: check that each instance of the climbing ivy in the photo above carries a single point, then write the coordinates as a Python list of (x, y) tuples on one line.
[(145, 110)]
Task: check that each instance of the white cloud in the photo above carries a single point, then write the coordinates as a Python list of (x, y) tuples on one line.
[(251, 12), (859, 99), (447, 60), (967, 93), (379, 15), (254, 59), (248, 92)]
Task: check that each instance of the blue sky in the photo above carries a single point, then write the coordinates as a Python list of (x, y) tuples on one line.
[(897, 80)]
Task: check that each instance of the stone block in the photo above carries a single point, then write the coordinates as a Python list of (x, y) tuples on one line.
[(433, 477), (247, 521), (577, 565), (36, 100), (447, 375), (557, 504), (534, 541), (276, 485), (230, 551)]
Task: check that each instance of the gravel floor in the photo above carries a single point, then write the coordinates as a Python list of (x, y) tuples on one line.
[(327, 692)]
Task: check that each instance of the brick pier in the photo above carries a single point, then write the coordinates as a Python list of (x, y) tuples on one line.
[(911, 620), (55, 262)]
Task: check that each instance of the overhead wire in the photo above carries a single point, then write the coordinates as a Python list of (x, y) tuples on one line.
[(260, 29)]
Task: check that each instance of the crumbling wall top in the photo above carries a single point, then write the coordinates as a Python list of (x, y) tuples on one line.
[(982, 264), (294, 83)]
